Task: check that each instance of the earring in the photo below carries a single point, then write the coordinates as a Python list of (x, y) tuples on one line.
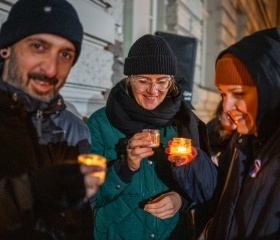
[(4, 53)]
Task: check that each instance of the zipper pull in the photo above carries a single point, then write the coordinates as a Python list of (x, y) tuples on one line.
[(39, 117)]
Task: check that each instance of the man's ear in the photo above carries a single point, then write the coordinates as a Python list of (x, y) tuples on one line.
[(4, 53)]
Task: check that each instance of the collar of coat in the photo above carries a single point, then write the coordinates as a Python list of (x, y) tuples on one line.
[(13, 99)]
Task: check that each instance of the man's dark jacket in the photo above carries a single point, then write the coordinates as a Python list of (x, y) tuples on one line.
[(41, 197)]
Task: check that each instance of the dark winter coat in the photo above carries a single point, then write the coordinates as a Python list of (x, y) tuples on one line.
[(249, 208), (40, 197)]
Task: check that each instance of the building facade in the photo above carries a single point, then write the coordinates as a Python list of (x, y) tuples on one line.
[(111, 27)]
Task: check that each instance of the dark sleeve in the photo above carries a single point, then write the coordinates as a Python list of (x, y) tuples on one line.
[(198, 178), (120, 165), (122, 170), (57, 188), (16, 202), (43, 192)]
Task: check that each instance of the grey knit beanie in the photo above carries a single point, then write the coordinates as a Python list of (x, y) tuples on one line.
[(150, 55), (29, 17)]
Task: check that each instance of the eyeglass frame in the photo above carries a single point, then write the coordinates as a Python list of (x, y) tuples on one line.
[(171, 77)]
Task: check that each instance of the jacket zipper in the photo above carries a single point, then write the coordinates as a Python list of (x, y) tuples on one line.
[(39, 117)]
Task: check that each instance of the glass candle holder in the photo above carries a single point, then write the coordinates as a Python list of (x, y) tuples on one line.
[(181, 146), (94, 160), (155, 137)]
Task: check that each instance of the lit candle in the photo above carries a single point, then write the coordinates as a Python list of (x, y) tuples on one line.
[(182, 149), (94, 160), (180, 146), (155, 137)]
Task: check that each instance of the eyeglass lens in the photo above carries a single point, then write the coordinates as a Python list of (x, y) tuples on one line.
[(143, 83)]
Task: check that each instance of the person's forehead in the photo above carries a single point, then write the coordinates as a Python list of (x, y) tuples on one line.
[(227, 87)]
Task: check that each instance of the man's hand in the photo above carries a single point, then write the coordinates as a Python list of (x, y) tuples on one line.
[(91, 182)]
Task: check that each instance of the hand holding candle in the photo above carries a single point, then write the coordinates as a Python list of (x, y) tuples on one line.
[(93, 167), (94, 160), (180, 151)]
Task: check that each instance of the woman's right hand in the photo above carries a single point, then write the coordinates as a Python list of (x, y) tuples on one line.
[(137, 149)]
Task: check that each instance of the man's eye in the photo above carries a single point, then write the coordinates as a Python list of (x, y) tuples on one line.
[(37, 45), (65, 54), (67, 57)]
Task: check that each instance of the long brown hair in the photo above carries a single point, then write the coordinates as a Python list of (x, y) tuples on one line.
[(218, 125)]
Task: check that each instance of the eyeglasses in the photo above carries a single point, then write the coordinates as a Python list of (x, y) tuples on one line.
[(144, 83)]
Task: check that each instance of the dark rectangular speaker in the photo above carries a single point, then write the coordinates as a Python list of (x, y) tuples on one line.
[(184, 48)]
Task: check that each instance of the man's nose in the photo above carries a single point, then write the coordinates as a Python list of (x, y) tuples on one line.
[(50, 66)]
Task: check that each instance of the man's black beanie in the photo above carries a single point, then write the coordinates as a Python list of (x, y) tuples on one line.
[(150, 55), (28, 17)]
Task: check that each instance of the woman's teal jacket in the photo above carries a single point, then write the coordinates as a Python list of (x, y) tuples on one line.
[(118, 206)]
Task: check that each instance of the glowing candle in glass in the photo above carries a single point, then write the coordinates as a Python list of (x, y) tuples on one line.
[(94, 160), (155, 137), (181, 146)]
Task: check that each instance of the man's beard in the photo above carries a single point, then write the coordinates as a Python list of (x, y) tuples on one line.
[(15, 79)]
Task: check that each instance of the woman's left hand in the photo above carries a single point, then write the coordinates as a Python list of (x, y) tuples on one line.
[(180, 160), (164, 206)]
